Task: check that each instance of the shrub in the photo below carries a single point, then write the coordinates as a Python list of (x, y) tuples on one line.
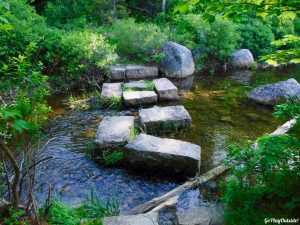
[(66, 55), (137, 41), (256, 36)]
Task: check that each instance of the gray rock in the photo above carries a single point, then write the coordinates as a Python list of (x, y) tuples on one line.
[(140, 71), (114, 130), (165, 89), (178, 61), (136, 85), (141, 219), (272, 94), (111, 90), (164, 119), (164, 154), (195, 216), (242, 58), (137, 98), (118, 73), (209, 214)]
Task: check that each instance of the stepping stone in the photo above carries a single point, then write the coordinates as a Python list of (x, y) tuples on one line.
[(136, 98), (140, 71), (164, 119), (165, 89), (138, 85), (114, 130), (118, 73), (111, 90), (141, 219), (163, 154)]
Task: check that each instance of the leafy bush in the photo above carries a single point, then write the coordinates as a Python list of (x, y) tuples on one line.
[(66, 55), (62, 13), (190, 30), (137, 41), (256, 36), (265, 181)]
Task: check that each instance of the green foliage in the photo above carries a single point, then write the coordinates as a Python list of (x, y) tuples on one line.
[(289, 109), (63, 13), (256, 36), (16, 218), (150, 87), (137, 41), (222, 39), (265, 180), (110, 157), (26, 109), (66, 55), (93, 208), (4, 10), (283, 10)]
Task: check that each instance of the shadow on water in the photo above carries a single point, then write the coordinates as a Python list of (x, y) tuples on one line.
[(221, 115)]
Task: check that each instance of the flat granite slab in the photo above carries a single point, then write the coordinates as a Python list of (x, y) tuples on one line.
[(140, 71), (114, 130), (163, 154), (110, 90), (164, 119), (165, 89), (137, 98), (118, 72), (137, 85), (141, 219)]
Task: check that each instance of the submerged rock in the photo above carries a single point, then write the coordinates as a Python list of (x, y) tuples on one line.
[(141, 219), (163, 154), (137, 98), (178, 61), (164, 119), (114, 130), (242, 58), (140, 71), (111, 90), (272, 94), (165, 89)]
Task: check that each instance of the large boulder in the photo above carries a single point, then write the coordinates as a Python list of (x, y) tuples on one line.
[(163, 154), (242, 58), (272, 94), (178, 61)]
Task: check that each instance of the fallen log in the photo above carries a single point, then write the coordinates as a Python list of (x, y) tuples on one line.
[(171, 197)]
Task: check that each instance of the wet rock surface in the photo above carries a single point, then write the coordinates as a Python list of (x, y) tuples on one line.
[(166, 118), (111, 90), (141, 71), (138, 98), (165, 89), (178, 61), (242, 58), (141, 219), (163, 154), (272, 94), (114, 130)]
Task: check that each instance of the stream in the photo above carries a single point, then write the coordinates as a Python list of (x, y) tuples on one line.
[(221, 114)]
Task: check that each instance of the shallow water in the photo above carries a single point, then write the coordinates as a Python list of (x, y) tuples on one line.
[(220, 115)]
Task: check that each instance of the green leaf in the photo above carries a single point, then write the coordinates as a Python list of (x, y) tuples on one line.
[(295, 60), (20, 125)]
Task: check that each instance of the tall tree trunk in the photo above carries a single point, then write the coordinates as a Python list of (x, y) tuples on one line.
[(164, 3), (16, 168)]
